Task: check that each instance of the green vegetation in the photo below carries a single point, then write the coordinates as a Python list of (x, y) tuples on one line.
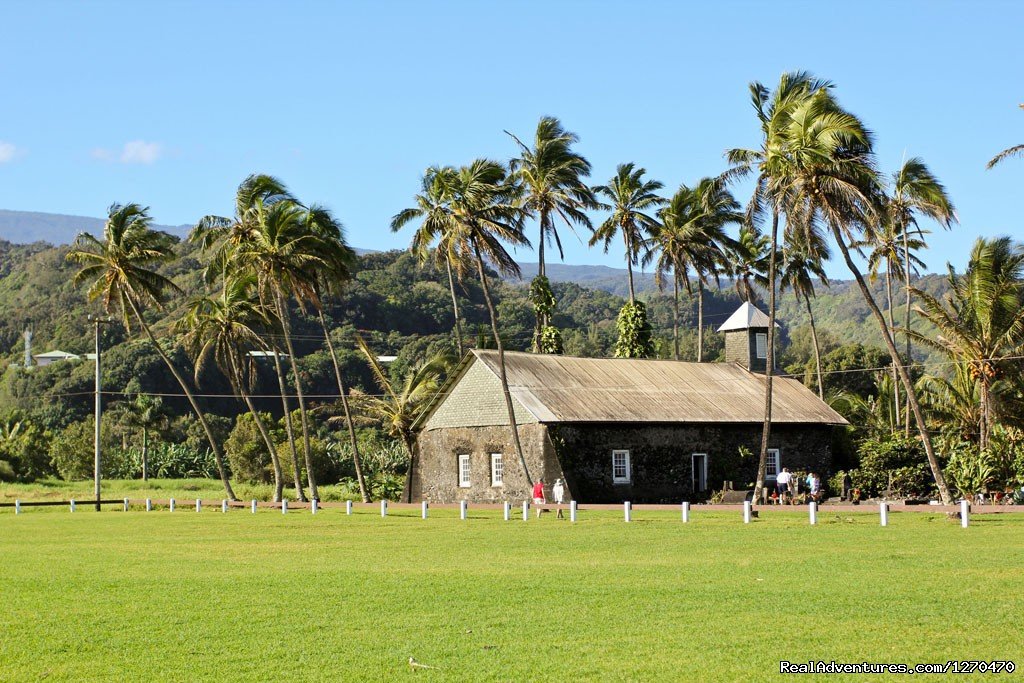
[(208, 596)]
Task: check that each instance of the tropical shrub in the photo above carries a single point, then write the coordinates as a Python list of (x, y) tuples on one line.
[(247, 453), (635, 333), (892, 464)]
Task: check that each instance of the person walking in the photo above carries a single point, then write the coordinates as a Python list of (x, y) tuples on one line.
[(782, 483), (814, 483), (847, 487), (538, 496), (558, 493)]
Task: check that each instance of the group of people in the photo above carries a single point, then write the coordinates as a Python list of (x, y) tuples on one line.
[(557, 493), (786, 487)]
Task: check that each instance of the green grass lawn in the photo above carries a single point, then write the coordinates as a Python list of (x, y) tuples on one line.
[(114, 489), (185, 596)]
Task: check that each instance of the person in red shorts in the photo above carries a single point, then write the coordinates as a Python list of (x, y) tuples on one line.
[(538, 495)]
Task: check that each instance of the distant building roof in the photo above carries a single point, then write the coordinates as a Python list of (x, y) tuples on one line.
[(386, 359), (57, 355), (746, 316), (567, 389), (266, 354)]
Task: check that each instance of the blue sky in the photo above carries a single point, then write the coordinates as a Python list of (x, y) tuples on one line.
[(171, 104)]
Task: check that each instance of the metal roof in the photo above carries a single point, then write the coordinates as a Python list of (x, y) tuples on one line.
[(569, 389), (746, 316), (57, 354)]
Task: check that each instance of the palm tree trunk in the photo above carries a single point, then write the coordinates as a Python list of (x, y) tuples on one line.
[(817, 349), (908, 386), (541, 269), (145, 454), (455, 307), (629, 264), (356, 458), (700, 320), (766, 429), (985, 426), (289, 428), (282, 311), (675, 315), (275, 461), (501, 368), (410, 448), (906, 315), (218, 456), (892, 330)]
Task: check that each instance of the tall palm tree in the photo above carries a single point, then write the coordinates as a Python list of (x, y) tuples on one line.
[(224, 329), (439, 225), (398, 408), (222, 238), (1016, 150), (146, 413), (803, 258), (691, 236), (915, 192), (486, 204), (747, 260), (118, 268), (339, 260), (630, 198), (981, 321), (552, 177)]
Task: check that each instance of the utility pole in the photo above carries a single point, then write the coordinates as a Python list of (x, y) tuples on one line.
[(97, 321)]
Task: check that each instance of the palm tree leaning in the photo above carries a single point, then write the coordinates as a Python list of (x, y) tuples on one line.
[(552, 177), (630, 199), (397, 409), (1015, 151), (224, 329), (485, 202), (118, 268), (801, 262), (915, 192), (438, 226), (981, 321)]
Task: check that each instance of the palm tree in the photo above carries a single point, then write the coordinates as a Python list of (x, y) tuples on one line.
[(747, 262), (439, 224), (691, 235), (118, 268), (337, 270), (224, 329), (981, 321), (551, 175), (223, 238), (915, 191), (801, 261), (485, 202), (398, 408), (630, 197), (1016, 150), (146, 413)]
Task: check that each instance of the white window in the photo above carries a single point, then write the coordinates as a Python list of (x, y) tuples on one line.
[(771, 468), (497, 470), (620, 467), (761, 342), (464, 471), (699, 471)]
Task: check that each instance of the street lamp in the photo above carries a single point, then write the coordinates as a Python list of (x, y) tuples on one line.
[(97, 321)]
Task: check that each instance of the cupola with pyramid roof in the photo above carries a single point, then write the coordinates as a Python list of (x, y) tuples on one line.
[(746, 338)]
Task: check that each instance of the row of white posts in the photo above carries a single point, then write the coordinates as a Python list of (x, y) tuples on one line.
[(627, 508)]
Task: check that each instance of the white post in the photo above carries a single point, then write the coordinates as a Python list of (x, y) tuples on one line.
[(423, 509), (463, 505), (224, 506), (883, 510), (627, 510), (253, 506), (284, 506), (746, 512), (172, 505), (507, 507), (312, 507), (17, 506), (72, 504), (526, 510), (965, 509), (812, 510), (126, 505), (572, 510), (199, 505), (348, 507), (384, 508), (686, 511), (149, 505)]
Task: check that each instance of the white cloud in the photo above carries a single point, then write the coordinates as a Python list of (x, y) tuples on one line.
[(7, 152), (133, 152)]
